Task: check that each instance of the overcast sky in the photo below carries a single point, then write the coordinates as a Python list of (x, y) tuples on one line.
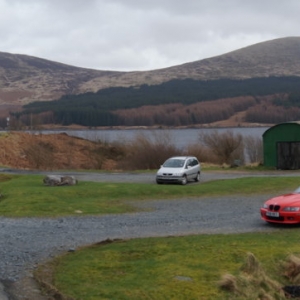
[(128, 35)]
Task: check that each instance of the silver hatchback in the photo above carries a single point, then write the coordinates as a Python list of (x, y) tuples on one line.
[(179, 169)]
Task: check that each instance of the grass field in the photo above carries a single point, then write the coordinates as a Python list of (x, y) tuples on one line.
[(26, 196), (188, 267)]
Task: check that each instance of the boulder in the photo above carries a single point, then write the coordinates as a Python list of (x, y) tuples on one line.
[(57, 180)]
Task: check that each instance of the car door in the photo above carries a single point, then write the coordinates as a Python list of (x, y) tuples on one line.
[(194, 168), (189, 170)]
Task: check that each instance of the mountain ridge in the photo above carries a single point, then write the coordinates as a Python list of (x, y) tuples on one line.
[(24, 79)]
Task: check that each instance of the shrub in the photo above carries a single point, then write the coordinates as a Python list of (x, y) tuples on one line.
[(148, 153), (39, 154), (254, 149), (107, 154), (227, 146), (203, 153)]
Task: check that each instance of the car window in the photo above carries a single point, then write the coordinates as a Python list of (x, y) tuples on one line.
[(174, 163), (189, 163), (195, 162)]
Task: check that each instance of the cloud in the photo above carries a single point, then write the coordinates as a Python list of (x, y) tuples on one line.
[(137, 34)]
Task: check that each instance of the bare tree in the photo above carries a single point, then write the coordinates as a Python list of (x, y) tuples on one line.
[(202, 152), (254, 149), (227, 146), (146, 152)]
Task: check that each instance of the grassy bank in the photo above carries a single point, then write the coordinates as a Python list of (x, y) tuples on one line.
[(189, 267), (26, 196)]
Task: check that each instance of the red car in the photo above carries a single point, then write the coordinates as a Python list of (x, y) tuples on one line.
[(283, 209)]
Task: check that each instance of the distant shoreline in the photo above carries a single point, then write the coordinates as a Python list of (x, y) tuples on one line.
[(202, 126)]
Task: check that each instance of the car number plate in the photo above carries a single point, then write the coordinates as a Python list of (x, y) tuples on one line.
[(272, 214)]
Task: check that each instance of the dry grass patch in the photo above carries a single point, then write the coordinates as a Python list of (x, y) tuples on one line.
[(252, 283)]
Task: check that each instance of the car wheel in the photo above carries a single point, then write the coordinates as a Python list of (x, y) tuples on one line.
[(184, 180), (197, 178)]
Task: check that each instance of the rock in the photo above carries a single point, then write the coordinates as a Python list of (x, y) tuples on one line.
[(292, 291), (57, 180)]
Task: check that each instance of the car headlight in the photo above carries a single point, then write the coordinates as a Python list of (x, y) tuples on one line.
[(291, 208), (265, 206)]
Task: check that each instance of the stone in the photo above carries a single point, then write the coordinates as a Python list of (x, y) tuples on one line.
[(292, 291), (58, 180)]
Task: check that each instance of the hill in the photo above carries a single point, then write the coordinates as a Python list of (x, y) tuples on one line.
[(24, 79), (173, 103), (60, 151), (268, 72)]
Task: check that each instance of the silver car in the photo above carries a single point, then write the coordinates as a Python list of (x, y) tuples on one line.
[(179, 169)]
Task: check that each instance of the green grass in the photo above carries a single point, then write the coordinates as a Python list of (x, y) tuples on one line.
[(26, 196), (187, 267)]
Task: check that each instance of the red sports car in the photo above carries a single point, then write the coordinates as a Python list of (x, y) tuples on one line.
[(282, 209)]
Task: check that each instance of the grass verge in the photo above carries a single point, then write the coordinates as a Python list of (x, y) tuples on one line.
[(26, 196), (188, 267)]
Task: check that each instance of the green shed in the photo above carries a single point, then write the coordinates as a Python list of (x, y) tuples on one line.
[(281, 144)]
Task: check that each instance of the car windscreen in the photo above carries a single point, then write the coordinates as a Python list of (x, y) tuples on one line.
[(174, 163)]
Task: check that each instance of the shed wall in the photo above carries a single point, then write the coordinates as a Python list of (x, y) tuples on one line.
[(286, 132)]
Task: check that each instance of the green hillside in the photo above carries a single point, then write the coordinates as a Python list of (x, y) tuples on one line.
[(99, 109)]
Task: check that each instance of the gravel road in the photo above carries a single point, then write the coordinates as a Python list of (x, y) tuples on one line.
[(28, 241)]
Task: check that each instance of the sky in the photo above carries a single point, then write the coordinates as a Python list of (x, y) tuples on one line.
[(133, 35)]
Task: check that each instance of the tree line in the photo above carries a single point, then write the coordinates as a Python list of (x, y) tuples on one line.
[(182, 115), (177, 102), (284, 108)]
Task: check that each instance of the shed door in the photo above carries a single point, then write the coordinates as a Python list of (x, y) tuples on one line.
[(288, 155)]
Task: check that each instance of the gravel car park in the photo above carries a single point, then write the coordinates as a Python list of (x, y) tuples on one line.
[(25, 242)]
